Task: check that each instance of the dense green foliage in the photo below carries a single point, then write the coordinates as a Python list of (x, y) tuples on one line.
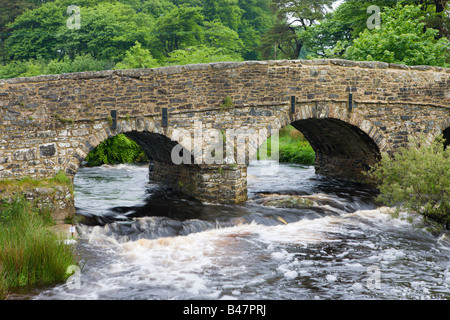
[(407, 28), (401, 39), (40, 37), (293, 148), (118, 149), (417, 179), (30, 253)]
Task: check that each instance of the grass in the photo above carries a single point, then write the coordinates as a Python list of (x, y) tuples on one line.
[(30, 253), (293, 147), (10, 185)]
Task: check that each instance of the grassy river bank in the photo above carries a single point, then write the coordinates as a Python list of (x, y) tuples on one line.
[(32, 247)]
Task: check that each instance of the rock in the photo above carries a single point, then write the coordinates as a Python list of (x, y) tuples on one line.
[(290, 202)]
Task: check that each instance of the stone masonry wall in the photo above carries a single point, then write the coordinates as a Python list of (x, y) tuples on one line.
[(50, 123)]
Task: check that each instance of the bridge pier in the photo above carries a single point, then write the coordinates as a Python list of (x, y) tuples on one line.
[(209, 183)]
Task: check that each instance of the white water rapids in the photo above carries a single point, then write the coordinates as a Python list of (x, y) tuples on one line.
[(175, 248)]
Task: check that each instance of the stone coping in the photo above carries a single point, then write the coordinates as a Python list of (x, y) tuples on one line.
[(137, 73)]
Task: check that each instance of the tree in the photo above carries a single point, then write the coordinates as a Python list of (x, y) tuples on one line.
[(437, 15), (401, 39), (417, 178), (178, 29), (107, 31), (226, 11), (256, 20), (8, 13), (137, 57), (216, 35), (33, 33), (292, 17), (155, 8)]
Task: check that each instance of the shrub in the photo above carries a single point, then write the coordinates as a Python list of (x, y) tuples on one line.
[(118, 149), (417, 179)]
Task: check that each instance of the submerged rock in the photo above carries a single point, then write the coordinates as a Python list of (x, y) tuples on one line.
[(289, 202)]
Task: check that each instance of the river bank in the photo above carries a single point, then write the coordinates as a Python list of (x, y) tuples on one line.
[(35, 236)]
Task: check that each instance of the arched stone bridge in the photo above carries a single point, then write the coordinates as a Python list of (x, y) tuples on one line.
[(349, 111)]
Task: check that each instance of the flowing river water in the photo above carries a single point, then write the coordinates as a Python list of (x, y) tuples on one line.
[(140, 241)]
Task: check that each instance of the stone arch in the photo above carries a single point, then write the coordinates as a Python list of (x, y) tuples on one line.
[(342, 149), (156, 142), (346, 145)]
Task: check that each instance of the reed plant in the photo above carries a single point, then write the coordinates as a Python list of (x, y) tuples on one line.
[(30, 253)]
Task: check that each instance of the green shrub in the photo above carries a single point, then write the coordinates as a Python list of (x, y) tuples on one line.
[(118, 149), (417, 179)]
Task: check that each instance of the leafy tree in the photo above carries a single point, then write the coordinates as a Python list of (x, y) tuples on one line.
[(216, 35), (137, 57), (8, 13), (155, 8), (401, 39), (417, 178), (328, 39), (226, 11), (33, 33), (256, 20), (178, 29), (107, 31), (292, 17)]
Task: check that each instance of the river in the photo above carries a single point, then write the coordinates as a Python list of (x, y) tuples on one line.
[(140, 241)]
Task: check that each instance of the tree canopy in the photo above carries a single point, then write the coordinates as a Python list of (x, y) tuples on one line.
[(47, 36)]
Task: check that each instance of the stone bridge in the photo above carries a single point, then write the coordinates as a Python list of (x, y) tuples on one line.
[(349, 111)]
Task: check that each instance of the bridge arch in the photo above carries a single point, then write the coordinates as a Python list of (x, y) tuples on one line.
[(345, 145)]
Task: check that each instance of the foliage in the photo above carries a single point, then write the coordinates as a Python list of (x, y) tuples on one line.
[(178, 29), (227, 103), (226, 11), (30, 252), (107, 31), (137, 57), (155, 8), (293, 148), (80, 63), (417, 178), (33, 67), (118, 149), (292, 17), (400, 39), (200, 54)]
